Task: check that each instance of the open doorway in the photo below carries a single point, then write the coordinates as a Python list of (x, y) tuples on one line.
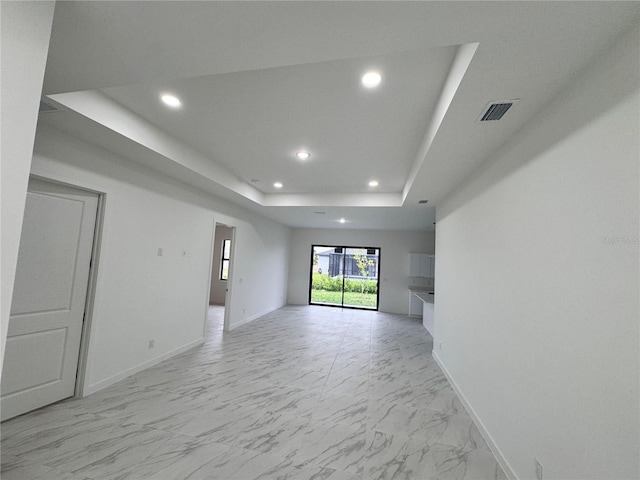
[(221, 271), (344, 276)]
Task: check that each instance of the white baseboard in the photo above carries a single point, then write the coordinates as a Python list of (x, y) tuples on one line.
[(95, 387), (243, 322), (506, 468), (254, 317)]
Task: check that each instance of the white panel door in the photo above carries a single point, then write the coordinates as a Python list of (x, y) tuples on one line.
[(47, 311)]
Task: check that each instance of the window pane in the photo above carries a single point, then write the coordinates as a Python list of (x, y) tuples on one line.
[(224, 261), (224, 272), (344, 276)]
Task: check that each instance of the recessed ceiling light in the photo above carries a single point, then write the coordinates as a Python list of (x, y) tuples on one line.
[(277, 185), (171, 100), (373, 183), (302, 155), (371, 79), (342, 220)]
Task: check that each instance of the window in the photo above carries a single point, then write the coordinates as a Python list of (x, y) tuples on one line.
[(344, 276), (224, 260)]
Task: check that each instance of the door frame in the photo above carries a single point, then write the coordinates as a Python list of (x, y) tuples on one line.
[(343, 278), (227, 298), (87, 322)]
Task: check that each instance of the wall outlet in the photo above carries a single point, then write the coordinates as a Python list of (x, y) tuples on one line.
[(539, 470), (159, 252), (152, 343)]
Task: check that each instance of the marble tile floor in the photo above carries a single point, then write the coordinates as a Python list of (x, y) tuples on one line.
[(302, 393)]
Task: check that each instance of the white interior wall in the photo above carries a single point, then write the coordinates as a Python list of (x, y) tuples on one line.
[(140, 295), (218, 287), (537, 293), (394, 262), (25, 28)]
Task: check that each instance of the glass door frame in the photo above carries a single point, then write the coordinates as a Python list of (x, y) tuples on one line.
[(344, 257)]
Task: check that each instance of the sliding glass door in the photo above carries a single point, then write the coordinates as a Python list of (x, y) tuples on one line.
[(344, 276)]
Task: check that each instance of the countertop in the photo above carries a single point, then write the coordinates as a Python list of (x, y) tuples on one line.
[(423, 293), (421, 289)]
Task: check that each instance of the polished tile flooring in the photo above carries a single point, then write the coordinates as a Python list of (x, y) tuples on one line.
[(302, 393)]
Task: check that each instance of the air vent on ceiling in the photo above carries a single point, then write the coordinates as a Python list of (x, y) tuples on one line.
[(422, 202), (496, 110), (46, 107)]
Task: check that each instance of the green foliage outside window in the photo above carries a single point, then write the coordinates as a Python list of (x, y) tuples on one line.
[(322, 281)]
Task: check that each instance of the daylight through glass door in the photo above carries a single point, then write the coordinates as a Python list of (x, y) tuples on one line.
[(344, 276)]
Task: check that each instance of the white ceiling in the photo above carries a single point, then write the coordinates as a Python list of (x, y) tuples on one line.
[(253, 122), (261, 80)]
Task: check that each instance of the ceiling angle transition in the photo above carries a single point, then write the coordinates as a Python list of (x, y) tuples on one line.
[(48, 107)]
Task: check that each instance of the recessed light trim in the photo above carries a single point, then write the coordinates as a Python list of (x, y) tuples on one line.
[(171, 100), (342, 220), (303, 155), (371, 79), (278, 184), (374, 183)]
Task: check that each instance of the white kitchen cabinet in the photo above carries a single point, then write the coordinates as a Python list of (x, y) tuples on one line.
[(415, 306), (425, 262), (421, 265), (414, 264)]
